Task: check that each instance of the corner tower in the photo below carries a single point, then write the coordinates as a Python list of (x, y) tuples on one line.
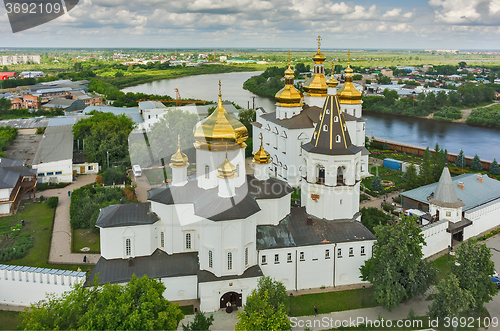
[(315, 89), (330, 188), (214, 136)]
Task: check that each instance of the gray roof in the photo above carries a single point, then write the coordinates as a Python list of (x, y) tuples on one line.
[(206, 276), (306, 119), (445, 195), (10, 170), (56, 145), (474, 193), (293, 231), (145, 105), (157, 265), (208, 204), (26, 123), (126, 215), (327, 129), (133, 113)]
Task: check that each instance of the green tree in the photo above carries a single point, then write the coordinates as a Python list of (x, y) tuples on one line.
[(383, 80), (450, 299), (5, 69), (426, 170), (494, 168), (265, 307), (396, 268), (462, 64), (104, 133), (476, 163), (138, 305), (411, 179), (438, 161), (200, 323), (119, 73), (78, 67), (461, 161), (473, 268), (372, 217), (377, 184)]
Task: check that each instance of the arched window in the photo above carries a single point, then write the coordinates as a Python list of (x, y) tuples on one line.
[(188, 240), (327, 111), (207, 172), (162, 239), (246, 256), (315, 134), (336, 119), (210, 259), (229, 261), (340, 175), (337, 138), (128, 247), (320, 174), (345, 127), (237, 170), (325, 127), (320, 117)]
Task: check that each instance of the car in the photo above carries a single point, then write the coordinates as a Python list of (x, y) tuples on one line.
[(136, 169), (496, 281), (495, 274)]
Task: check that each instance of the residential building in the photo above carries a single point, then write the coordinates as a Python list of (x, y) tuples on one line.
[(15, 180)]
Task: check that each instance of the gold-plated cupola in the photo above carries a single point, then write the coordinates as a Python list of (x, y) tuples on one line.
[(179, 159), (289, 96), (348, 94), (316, 85), (220, 131), (226, 169), (332, 82), (261, 156)]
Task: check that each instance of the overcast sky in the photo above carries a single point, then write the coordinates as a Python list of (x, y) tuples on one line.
[(358, 24)]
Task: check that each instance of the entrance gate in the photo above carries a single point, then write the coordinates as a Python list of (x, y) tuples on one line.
[(233, 298)]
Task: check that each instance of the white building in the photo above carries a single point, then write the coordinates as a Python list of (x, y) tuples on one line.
[(295, 118), (457, 208), (212, 237)]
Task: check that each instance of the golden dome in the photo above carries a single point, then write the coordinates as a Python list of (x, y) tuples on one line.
[(332, 82), (220, 131), (179, 159), (261, 156), (316, 85), (289, 96), (349, 94), (226, 169), (318, 57)]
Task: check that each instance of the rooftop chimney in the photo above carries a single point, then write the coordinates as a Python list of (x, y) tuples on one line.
[(309, 221), (461, 185), (480, 178)]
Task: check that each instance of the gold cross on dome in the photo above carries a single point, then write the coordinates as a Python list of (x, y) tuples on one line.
[(332, 68), (289, 57), (220, 93), (261, 137), (319, 41), (348, 56)]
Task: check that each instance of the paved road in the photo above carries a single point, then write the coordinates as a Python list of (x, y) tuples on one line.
[(494, 306), (60, 250)]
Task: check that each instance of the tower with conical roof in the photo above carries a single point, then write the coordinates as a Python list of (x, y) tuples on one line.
[(315, 88), (261, 160), (214, 136), (288, 99), (349, 96), (330, 188), (179, 164), (444, 203)]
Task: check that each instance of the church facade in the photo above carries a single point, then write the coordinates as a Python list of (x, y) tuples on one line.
[(293, 122), (211, 238)]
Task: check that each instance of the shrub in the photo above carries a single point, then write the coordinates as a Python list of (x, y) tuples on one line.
[(476, 164), (48, 186), (52, 202), (388, 208)]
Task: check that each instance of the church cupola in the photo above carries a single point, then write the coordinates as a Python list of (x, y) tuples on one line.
[(349, 96), (315, 88), (226, 172), (288, 99), (179, 164), (332, 83), (261, 159)]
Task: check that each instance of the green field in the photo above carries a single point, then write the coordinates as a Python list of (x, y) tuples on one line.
[(86, 238), (9, 320)]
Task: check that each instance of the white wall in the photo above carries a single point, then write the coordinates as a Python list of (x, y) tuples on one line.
[(143, 241), (483, 218), (65, 166), (23, 286), (210, 293), (180, 288), (274, 210), (436, 238), (90, 168)]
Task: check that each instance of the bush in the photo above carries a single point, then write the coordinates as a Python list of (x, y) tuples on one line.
[(48, 186), (388, 208), (52, 202), (114, 175)]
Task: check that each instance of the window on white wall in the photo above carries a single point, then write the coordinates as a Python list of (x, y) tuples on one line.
[(302, 256), (276, 258), (229, 261), (188, 241), (327, 254), (246, 256), (339, 252), (210, 259), (362, 250), (128, 247), (207, 172), (263, 259), (289, 257), (162, 239), (351, 252)]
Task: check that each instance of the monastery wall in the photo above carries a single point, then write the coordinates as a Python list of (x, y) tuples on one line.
[(436, 237)]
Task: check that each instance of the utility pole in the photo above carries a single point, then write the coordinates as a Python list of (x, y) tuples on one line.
[(107, 153), (253, 102)]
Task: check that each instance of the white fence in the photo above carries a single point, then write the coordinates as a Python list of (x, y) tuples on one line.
[(22, 286)]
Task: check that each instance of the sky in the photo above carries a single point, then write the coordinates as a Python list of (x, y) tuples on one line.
[(295, 24)]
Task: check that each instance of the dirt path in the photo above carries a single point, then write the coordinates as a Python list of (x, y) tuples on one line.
[(466, 112), (60, 250)]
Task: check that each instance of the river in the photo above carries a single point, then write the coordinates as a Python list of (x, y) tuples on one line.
[(421, 132)]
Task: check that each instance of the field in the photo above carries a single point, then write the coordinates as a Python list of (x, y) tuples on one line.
[(85, 238)]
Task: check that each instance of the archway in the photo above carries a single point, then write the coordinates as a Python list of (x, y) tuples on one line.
[(340, 175), (320, 174), (234, 299)]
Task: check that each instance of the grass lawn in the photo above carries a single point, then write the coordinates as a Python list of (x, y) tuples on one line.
[(187, 310), (86, 238), (303, 305), (9, 320), (443, 266)]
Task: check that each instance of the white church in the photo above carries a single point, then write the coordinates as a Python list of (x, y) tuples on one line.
[(210, 238), (293, 122)]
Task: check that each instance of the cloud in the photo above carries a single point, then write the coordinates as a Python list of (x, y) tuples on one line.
[(466, 12), (360, 13)]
